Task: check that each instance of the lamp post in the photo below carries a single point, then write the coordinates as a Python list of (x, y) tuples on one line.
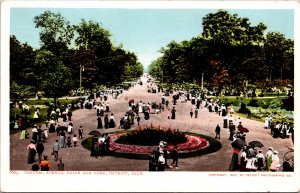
[(80, 78)]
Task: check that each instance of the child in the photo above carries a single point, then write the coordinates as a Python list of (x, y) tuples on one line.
[(69, 141), (74, 139), (80, 132), (60, 165)]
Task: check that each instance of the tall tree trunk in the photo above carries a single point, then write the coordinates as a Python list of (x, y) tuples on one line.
[(245, 88), (55, 102)]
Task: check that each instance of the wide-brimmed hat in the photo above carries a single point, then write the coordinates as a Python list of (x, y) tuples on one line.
[(270, 148)]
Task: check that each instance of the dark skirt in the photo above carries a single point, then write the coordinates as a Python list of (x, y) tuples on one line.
[(111, 123), (173, 116), (52, 128), (31, 156), (147, 116), (224, 112), (106, 123), (234, 165), (225, 123), (99, 124), (243, 164)]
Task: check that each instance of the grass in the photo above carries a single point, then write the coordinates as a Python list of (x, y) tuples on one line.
[(47, 101), (15, 113), (214, 145)]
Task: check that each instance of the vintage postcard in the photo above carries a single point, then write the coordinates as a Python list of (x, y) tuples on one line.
[(170, 96)]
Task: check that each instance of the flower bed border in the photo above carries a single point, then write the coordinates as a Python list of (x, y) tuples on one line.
[(212, 145)]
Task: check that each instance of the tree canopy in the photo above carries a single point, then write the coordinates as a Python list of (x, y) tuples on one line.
[(230, 52), (66, 50)]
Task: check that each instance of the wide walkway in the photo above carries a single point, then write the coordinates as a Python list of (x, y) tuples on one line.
[(78, 158)]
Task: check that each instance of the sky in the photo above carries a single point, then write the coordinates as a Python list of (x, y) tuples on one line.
[(146, 31)]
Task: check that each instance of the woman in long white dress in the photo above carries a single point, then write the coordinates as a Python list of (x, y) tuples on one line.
[(275, 162), (267, 120)]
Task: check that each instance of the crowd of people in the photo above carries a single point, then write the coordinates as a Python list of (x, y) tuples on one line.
[(279, 129), (100, 146), (252, 159), (158, 159), (247, 158)]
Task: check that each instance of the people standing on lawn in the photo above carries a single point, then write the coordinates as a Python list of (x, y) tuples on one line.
[(267, 122), (36, 115)]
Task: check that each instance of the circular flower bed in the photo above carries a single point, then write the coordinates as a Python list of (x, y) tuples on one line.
[(193, 144), (123, 144)]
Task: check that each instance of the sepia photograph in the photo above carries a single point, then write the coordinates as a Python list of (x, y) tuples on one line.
[(149, 95)]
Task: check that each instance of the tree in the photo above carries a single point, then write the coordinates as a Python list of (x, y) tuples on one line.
[(54, 77), (21, 63), (132, 69), (56, 32), (279, 53), (92, 36), (235, 44)]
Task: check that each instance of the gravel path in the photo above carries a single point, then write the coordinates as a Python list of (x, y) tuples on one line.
[(78, 158)]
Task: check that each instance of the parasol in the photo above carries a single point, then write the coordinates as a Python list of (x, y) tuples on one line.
[(239, 144), (243, 130), (256, 144), (62, 128)]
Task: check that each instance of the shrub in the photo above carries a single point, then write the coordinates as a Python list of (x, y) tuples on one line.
[(243, 109), (253, 103), (275, 103), (288, 103)]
